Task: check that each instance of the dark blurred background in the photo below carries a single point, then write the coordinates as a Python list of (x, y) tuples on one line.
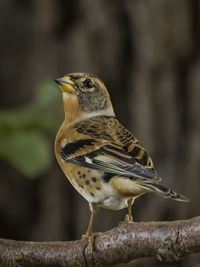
[(147, 53)]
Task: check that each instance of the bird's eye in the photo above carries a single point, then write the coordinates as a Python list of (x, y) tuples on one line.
[(88, 83)]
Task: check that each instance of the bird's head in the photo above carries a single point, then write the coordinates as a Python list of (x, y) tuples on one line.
[(85, 94)]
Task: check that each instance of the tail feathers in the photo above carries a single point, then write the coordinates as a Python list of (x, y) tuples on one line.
[(165, 192)]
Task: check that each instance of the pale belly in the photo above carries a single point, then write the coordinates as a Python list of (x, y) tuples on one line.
[(108, 199), (114, 203), (90, 184)]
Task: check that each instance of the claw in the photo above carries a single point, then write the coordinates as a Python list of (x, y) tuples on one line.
[(128, 218), (91, 238)]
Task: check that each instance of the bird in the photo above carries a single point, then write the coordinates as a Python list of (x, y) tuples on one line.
[(102, 159)]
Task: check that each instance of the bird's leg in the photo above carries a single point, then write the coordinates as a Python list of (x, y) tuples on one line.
[(94, 210), (89, 234), (129, 217)]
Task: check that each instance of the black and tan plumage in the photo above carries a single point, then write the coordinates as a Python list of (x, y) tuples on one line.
[(104, 162)]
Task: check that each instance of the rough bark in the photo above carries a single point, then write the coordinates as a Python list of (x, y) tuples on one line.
[(167, 241)]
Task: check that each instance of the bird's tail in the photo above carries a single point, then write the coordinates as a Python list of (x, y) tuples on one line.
[(165, 192)]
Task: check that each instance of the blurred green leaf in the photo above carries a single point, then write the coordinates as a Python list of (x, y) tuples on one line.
[(18, 118), (22, 141), (45, 112), (29, 117), (27, 151), (48, 92)]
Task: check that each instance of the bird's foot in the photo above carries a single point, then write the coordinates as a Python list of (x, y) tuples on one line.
[(91, 238), (128, 218)]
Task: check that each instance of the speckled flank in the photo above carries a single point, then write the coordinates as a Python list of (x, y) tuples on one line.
[(91, 185), (87, 182)]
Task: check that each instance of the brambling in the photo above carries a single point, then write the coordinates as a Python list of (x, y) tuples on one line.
[(104, 162)]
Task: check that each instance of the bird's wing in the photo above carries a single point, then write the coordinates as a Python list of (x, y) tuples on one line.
[(110, 129), (105, 156)]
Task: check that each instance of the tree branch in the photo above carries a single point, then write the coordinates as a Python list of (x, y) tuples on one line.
[(167, 241)]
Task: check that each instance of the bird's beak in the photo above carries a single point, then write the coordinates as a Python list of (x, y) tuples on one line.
[(66, 84)]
